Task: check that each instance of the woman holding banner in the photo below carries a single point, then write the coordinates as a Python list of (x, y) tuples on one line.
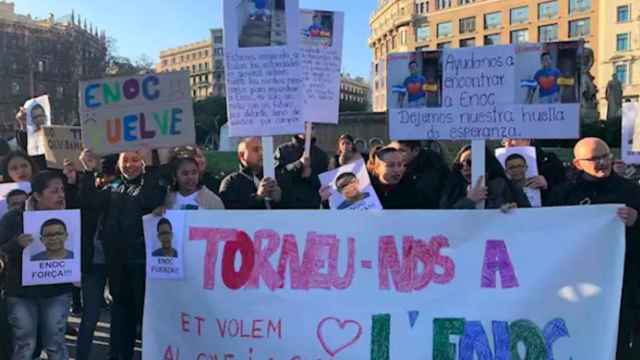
[(43, 307), (122, 204)]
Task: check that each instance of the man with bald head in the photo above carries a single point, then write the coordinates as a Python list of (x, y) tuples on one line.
[(597, 183), (246, 188)]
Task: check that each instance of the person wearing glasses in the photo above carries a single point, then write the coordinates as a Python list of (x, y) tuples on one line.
[(496, 191), (348, 186), (53, 234), (165, 236), (597, 183)]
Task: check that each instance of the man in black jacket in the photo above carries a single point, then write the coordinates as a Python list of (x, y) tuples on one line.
[(246, 188), (598, 184), (297, 173)]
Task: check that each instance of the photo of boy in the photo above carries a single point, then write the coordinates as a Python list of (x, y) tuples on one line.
[(348, 186), (53, 234), (413, 88)]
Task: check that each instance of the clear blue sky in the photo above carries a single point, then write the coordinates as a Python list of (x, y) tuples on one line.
[(147, 26)]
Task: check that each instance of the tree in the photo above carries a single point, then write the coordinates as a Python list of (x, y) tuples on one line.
[(352, 106), (210, 114), (117, 65)]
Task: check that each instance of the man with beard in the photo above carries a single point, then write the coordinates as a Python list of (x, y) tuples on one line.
[(247, 188)]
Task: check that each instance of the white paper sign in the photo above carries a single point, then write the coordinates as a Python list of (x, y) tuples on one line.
[(631, 133), (38, 115), (527, 158), (5, 189), (165, 249), (54, 255), (491, 92), (262, 67), (321, 54), (392, 285), (351, 188)]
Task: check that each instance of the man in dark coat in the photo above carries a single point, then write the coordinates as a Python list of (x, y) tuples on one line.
[(297, 173), (596, 183)]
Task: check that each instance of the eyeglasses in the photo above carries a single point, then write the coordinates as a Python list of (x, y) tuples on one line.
[(54, 235), (516, 167), (165, 233), (599, 159)]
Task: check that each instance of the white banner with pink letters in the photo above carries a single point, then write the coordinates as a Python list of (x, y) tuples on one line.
[(477, 284)]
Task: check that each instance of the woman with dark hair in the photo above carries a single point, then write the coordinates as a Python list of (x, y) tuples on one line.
[(186, 191), (346, 152), (136, 192), (18, 167), (459, 193), (33, 308)]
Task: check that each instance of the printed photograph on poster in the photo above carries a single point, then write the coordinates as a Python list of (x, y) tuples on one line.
[(317, 28), (630, 148), (549, 73), (13, 196), (416, 80), (520, 164), (38, 115), (351, 188), (54, 255), (262, 23), (321, 59), (164, 243)]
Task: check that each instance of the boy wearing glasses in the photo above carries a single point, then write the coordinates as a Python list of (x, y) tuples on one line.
[(165, 236), (348, 186), (53, 233)]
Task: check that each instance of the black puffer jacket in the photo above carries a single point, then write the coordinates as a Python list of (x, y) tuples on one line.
[(299, 192), (122, 205), (238, 191), (500, 192), (403, 195)]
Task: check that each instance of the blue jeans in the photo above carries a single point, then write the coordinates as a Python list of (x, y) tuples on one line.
[(27, 315), (93, 284)]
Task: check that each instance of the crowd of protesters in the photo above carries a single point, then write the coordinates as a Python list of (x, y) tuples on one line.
[(114, 192)]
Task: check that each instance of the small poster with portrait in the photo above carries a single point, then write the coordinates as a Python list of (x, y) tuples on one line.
[(53, 257), (38, 115), (164, 242), (630, 148), (351, 188), (13, 196), (520, 165)]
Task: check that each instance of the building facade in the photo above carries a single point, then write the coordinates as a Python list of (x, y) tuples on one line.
[(620, 48), (409, 25), (218, 62), (50, 56), (354, 90), (194, 58)]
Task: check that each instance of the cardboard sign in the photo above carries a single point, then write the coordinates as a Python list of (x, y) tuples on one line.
[(38, 115), (321, 54), (127, 113), (60, 143), (351, 188), (630, 147), (165, 249), (5, 189), (524, 166), (490, 92), (262, 67), (392, 285), (54, 255)]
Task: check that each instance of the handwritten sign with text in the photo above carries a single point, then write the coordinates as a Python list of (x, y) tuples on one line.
[(479, 93), (126, 113), (60, 143), (391, 285)]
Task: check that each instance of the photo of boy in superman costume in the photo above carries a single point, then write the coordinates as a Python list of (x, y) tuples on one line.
[(547, 81), (414, 88)]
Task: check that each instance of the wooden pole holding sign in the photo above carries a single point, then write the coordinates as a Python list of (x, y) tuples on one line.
[(268, 168), (478, 148), (307, 138)]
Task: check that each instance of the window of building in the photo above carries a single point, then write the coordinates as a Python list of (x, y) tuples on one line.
[(422, 7), (403, 37), (622, 72), (578, 28), (467, 25), (444, 45), (42, 66), (219, 52), (519, 15), (623, 13), (193, 67), (444, 4), (492, 20), (445, 29), (217, 39), (493, 39), (576, 6), (519, 36), (548, 33), (465, 2), (181, 58), (164, 62), (548, 10), (622, 42), (471, 42), (423, 33), (15, 88)]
